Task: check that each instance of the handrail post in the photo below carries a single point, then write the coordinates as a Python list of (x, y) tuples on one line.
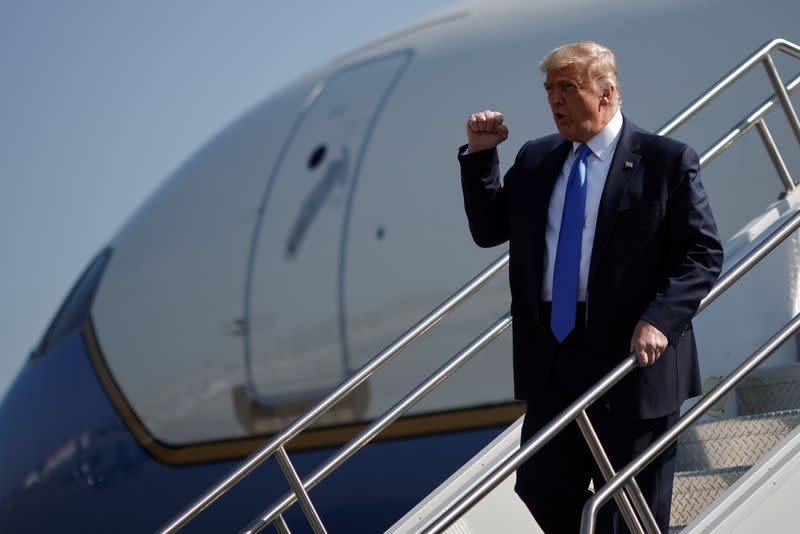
[(627, 500), (775, 156), (281, 526), (783, 96), (302, 495)]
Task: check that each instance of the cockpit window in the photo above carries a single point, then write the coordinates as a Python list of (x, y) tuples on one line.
[(75, 309)]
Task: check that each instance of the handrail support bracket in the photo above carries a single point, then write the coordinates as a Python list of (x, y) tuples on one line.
[(301, 493), (782, 94), (628, 499), (775, 156)]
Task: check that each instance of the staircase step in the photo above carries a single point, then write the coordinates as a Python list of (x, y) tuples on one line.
[(769, 389), (713, 455), (733, 442), (693, 492)]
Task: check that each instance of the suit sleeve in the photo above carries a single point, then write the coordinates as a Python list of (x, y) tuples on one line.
[(694, 251), (485, 199)]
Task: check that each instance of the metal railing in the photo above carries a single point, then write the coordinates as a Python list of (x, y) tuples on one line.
[(756, 117), (384, 421), (627, 502), (576, 411), (486, 483), (277, 444), (592, 506)]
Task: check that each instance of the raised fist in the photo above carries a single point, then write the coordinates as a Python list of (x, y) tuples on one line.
[(485, 130)]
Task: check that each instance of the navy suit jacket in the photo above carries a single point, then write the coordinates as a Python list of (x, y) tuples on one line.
[(656, 254)]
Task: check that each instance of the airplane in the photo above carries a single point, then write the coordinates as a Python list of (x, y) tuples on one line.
[(311, 232)]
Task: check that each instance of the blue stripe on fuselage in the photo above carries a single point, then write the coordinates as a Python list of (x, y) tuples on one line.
[(68, 463)]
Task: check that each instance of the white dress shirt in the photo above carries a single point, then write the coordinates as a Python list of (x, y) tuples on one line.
[(598, 162)]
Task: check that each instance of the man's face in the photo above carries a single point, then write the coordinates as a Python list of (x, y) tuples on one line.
[(578, 110)]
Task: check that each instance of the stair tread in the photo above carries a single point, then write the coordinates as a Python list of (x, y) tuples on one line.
[(733, 442), (724, 426), (713, 455), (693, 492)]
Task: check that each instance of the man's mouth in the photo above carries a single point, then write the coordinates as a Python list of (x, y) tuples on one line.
[(560, 116)]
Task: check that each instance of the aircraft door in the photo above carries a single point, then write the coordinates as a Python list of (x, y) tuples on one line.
[(293, 337)]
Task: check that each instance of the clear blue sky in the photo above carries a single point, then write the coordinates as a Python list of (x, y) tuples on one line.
[(101, 99)]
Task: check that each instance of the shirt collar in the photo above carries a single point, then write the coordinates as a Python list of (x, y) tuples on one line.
[(603, 144)]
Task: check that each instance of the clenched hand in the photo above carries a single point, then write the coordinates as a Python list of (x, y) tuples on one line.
[(485, 130)]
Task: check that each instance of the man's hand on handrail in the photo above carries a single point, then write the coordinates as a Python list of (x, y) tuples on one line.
[(648, 342)]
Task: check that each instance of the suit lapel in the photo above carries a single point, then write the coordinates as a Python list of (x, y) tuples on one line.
[(624, 166)]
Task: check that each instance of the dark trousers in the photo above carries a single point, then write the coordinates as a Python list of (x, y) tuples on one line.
[(554, 483)]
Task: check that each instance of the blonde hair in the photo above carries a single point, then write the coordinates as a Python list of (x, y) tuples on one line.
[(596, 60)]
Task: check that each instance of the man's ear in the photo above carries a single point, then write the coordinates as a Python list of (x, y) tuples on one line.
[(608, 95)]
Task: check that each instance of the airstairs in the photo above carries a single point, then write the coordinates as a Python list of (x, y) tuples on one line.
[(712, 456), (733, 471)]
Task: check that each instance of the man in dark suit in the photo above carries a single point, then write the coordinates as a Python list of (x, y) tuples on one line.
[(613, 246)]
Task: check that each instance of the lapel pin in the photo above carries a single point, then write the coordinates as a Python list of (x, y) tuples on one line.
[(628, 164)]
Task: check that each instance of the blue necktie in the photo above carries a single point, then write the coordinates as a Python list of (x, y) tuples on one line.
[(568, 255)]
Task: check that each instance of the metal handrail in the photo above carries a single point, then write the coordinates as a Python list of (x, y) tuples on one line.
[(273, 445), (487, 482), (752, 119), (726, 81), (591, 507), (756, 117), (500, 326)]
